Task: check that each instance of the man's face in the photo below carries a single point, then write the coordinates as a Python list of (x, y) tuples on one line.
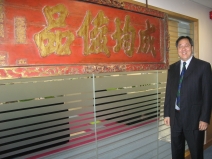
[(184, 49)]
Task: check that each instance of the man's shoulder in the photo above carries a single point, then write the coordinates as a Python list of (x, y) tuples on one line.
[(172, 66), (202, 62)]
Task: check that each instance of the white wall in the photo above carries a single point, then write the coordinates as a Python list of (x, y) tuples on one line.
[(195, 10)]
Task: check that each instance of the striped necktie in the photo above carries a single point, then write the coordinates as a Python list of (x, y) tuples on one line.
[(180, 83)]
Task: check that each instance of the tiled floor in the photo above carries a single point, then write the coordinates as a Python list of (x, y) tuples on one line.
[(208, 153)]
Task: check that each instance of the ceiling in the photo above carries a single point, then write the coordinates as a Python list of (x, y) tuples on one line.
[(207, 3)]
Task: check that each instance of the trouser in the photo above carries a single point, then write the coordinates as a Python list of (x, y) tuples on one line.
[(194, 138)]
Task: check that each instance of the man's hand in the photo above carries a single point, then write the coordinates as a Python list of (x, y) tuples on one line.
[(167, 121), (203, 125)]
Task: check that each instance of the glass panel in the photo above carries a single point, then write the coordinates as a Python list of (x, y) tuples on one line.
[(113, 115)]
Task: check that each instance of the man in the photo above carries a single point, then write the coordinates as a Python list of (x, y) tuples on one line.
[(188, 101)]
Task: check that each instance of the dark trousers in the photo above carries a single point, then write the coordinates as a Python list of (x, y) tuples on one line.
[(194, 138)]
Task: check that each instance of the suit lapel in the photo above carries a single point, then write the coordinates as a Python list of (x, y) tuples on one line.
[(177, 69), (176, 77), (191, 67)]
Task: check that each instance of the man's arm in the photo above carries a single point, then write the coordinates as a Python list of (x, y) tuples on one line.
[(207, 97), (167, 101), (203, 126), (167, 96), (167, 121)]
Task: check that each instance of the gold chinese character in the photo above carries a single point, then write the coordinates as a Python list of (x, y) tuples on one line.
[(55, 16), (2, 57), (57, 42), (97, 38), (146, 43), (1, 21), (1, 14), (125, 38), (20, 30), (2, 63), (1, 30), (21, 61)]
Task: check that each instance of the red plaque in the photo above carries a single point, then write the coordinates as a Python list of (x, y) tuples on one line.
[(79, 37)]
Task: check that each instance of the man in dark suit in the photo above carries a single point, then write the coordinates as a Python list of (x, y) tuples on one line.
[(188, 101)]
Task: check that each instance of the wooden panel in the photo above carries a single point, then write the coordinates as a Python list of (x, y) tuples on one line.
[(196, 39), (173, 31)]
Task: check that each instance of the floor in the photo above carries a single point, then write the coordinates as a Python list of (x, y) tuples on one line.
[(208, 153)]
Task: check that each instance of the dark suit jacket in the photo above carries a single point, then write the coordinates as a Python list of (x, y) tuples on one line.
[(195, 96)]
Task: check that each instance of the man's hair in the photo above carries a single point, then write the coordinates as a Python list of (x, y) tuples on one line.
[(184, 37)]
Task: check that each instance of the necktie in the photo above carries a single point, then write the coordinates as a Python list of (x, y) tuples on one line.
[(180, 83)]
